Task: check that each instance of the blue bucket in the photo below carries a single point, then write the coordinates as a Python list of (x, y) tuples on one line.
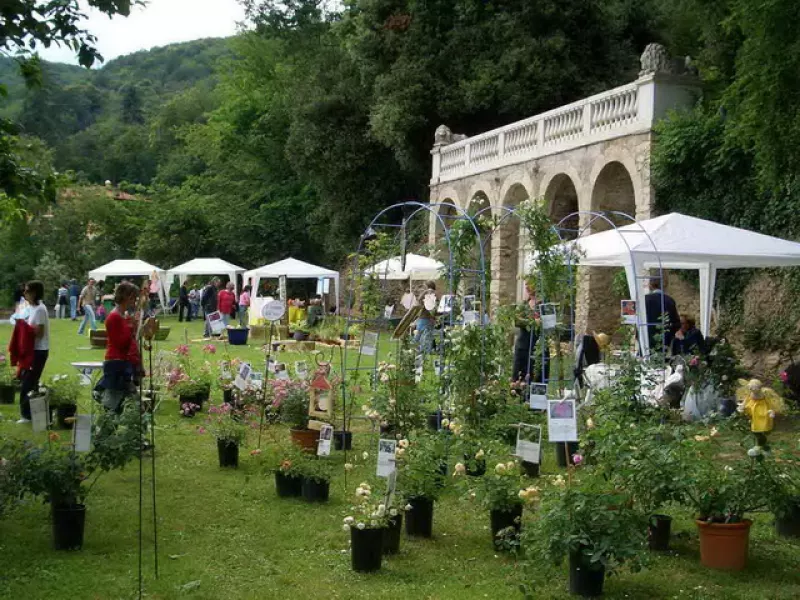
[(238, 337)]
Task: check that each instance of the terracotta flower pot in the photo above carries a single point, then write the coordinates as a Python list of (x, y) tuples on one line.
[(724, 545), (305, 438)]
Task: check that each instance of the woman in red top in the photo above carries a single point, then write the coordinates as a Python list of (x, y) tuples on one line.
[(122, 352), (226, 303)]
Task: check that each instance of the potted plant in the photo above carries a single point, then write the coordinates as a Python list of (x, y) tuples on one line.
[(395, 401), (500, 493), (62, 396), (367, 526), (291, 398), (590, 524), (316, 474), (420, 477), (8, 382), (722, 495), (229, 426), (187, 382), (782, 475), (283, 461), (64, 478)]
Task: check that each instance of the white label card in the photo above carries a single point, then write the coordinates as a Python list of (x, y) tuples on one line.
[(538, 397), (301, 369), (325, 437), (243, 376), (370, 345), (82, 434), (549, 316), (39, 414), (419, 362), (628, 311), (470, 316), (215, 322), (273, 311), (562, 423), (386, 457), (529, 443)]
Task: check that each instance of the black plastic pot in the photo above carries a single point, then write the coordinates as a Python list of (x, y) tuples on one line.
[(228, 453), (342, 440), (227, 396), (7, 394), (789, 524), (419, 520), (585, 579), (366, 549), (315, 491), (503, 519), (68, 526), (288, 486), (435, 420), (727, 407), (561, 452), (658, 531), (391, 535), (480, 466), (530, 469), (64, 412)]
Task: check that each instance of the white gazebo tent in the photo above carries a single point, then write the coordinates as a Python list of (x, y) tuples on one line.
[(291, 268), (131, 268), (676, 241), (204, 266), (417, 268)]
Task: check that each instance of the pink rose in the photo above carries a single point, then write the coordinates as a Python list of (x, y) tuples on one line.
[(577, 459), (182, 350), (210, 349), (201, 430), (694, 362), (784, 377)]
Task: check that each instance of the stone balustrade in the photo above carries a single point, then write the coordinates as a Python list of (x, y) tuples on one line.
[(622, 111)]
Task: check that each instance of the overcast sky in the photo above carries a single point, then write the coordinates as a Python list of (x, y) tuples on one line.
[(160, 23)]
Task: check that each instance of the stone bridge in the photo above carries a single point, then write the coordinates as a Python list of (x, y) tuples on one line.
[(592, 155)]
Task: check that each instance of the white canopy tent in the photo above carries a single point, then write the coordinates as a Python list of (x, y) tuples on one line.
[(204, 266), (132, 268), (417, 267), (676, 241), (291, 268)]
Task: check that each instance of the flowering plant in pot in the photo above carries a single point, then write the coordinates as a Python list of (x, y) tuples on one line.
[(395, 401), (283, 460), (722, 495), (782, 478), (316, 473), (229, 427), (64, 478), (368, 519), (421, 469), (499, 492), (291, 398), (62, 396), (592, 525)]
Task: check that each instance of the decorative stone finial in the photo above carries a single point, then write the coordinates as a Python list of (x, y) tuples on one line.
[(443, 136), (655, 59)]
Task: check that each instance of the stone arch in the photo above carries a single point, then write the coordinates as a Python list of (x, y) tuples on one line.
[(615, 186), (508, 246), (450, 197), (561, 199), (480, 190)]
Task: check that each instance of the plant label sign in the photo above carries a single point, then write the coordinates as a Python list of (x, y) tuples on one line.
[(370, 345), (562, 422), (257, 380), (82, 434), (529, 443), (386, 457), (549, 316), (215, 322), (281, 372), (301, 369), (273, 311), (39, 414), (538, 396), (325, 437), (419, 362), (243, 376), (628, 311)]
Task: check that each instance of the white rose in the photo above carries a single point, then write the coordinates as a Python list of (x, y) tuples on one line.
[(403, 443), (479, 454), (365, 455), (393, 512), (500, 469), (348, 466), (445, 422), (360, 526), (345, 528), (409, 507), (349, 520), (381, 510)]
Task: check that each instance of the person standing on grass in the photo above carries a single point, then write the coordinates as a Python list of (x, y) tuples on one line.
[(40, 322), (226, 302), (208, 301), (87, 301), (61, 304), (183, 303), (244, 306), (74, 294), (122, 362)]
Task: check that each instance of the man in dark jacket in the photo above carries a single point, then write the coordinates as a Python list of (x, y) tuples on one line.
[(183, 303), (662, 315), (208, 300), (74, 294)]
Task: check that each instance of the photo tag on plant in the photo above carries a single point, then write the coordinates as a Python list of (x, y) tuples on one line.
[(215, 322), (243, 376), (529, 443), (628, 311), (538, 396), (257, 380), (470, 317), (271, 365), (301, 369), (549, 316), (386, 457), (82, 433), (419, 362), (325, 437), (39, 414), (370, 344), (562, 422), (281, 372)]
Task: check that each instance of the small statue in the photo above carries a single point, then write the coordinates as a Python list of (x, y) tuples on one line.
[(761, 404)]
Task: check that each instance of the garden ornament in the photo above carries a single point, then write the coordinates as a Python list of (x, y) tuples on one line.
[(761, 404)]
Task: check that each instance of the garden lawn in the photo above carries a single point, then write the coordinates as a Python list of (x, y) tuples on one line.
[(223, 534)]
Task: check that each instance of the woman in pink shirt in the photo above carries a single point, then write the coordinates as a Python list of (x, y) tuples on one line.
[(244, 306)]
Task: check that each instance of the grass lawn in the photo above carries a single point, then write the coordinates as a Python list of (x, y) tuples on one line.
[(225, 534)]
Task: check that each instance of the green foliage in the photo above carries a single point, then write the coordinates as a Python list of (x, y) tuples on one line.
[(421, 467), (498, 489), (229, 424), (312, 467), (293, 403), (63, 389), (51, 273)]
